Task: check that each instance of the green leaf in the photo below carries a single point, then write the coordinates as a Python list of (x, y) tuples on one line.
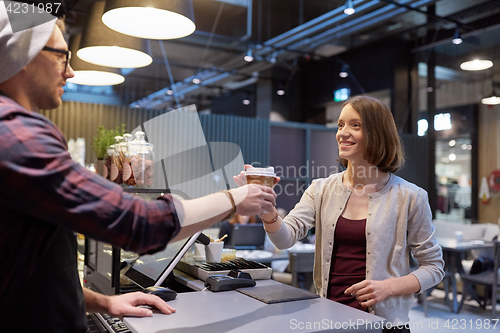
[(105, 138)]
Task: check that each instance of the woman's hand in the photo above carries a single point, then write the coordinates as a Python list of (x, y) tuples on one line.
[(370, 292), (241, 179)]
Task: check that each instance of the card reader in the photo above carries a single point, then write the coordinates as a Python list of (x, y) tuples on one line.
[(234, 280)]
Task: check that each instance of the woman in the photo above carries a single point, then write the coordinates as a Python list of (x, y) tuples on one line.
[(367, 220)]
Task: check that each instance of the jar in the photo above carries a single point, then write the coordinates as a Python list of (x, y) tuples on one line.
[(116, 174), (128, 175), (142, 161), (108, 160)]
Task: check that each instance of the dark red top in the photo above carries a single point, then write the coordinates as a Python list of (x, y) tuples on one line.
[(348, 265)]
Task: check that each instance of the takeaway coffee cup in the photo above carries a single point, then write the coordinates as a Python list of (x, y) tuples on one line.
[(262, 176), (459, 235)]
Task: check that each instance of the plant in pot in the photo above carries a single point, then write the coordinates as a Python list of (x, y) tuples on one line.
[(102, 141)]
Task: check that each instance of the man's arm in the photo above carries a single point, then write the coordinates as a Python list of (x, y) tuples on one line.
[(199, 214), (124, 305)]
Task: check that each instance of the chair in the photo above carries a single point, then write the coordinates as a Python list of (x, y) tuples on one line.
[(248, 236), (300, 262), (488, 279)]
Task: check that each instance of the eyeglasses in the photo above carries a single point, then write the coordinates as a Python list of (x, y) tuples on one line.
[(65, 52)]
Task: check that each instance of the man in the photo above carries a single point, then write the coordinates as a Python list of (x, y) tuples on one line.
[(45, 197)]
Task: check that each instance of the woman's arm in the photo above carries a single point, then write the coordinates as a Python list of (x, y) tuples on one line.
[(371, 292), (295, 226), (423, 244)]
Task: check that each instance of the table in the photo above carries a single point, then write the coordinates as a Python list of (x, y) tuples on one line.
[(231, 311), (452, 255), (264, 257), (277, 255)]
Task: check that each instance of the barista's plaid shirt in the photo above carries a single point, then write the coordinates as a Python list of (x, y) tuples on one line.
[(42, 188)]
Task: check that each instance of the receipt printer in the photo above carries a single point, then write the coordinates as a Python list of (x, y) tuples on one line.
[(233, 280)]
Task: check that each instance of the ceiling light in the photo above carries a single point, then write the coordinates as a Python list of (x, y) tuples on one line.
[(273, 57), (246, 101), (492, 100), (452, 157), (196, 80), (152, 19), (422, 127), (344, 71), (89, 74), (457, 39), (281, 90), (105, 47), (476, 65), (169, 92), (349, 10), (96, 78), (248, 57)]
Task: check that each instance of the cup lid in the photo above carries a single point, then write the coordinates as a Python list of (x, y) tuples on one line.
[(269, 172)]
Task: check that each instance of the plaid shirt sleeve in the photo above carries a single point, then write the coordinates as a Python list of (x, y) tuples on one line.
[(42, 182)]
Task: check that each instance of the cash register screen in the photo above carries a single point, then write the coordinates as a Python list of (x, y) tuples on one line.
[(149, 270)]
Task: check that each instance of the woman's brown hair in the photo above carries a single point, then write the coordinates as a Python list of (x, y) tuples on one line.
[(383, 145)]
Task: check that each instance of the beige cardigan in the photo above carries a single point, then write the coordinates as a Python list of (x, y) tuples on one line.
[(399, 220)]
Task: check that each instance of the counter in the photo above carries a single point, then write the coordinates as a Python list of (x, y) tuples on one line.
[(231, 311)]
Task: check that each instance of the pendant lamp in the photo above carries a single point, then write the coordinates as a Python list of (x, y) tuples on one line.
[(494, 98), (105, 47), (89, 74), (476, 65), (151, 19)]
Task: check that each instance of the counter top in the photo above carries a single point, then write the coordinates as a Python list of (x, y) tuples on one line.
[(231, 311)]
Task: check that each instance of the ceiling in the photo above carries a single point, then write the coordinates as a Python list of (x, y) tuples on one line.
[(282, 31)]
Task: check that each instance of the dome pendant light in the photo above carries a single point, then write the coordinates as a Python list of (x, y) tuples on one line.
[(494, 99), (151, 19), (476, 65), (89, 74), (105, 47)]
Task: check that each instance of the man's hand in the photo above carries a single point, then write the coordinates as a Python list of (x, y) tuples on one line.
[(128, 305), (370, 292), (254, 199)]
